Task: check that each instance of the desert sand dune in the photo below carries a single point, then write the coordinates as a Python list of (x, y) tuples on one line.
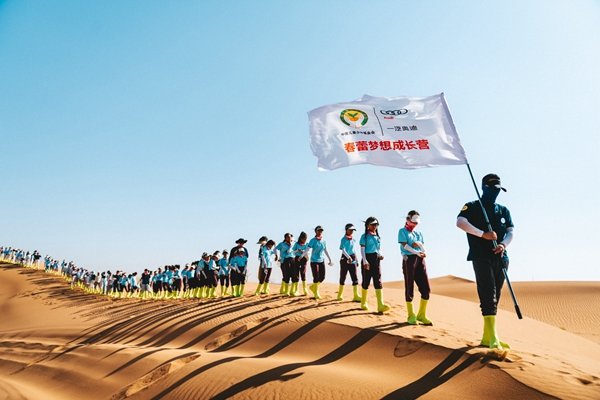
[(56, 343)]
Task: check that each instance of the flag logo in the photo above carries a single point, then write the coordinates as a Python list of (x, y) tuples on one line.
[(354, 118)]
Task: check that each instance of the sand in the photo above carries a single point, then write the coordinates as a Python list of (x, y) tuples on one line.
[(56, 343)]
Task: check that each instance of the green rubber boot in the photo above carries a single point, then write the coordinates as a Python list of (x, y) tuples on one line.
[(356, 298), (258, 288), (222, 291), (381, 306), (235, 291), (241, 293), (281, 287), (265, 289), (422, 315), (340, 295), (212, 292), (412, 318), (363, 300), (290, 289), (304, 292), (314, 288), (490, 336), (294, 289), (286, 288)]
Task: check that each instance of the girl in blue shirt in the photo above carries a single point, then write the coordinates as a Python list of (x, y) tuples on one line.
[(413, 267), (300, 250), (348, 263), (318, 247), (238, 265), (267, 252), (370, 245), (224, 273)]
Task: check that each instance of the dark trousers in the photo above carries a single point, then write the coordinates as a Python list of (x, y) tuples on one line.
[(347, 266), (224, 280), (318, 271), (374, 272), (238, 278), (264, 274), (299, 270), (286, 269), (212, 278), (490, 279), (415, 271)]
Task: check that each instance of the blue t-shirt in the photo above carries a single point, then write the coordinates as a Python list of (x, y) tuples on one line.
[(239, 261), (348, 245), (299, 249), (404, 236), (371, 243), (267, 255), (318, 248), (285, 250), (223, 266)]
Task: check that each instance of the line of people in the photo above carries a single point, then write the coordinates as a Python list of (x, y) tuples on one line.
[(200, 279), (488, 226)]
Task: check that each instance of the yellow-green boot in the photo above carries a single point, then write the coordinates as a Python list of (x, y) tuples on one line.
[(356, 298), (340, 295), (286, 287), (314, 288), (241, 293), (281, 287), (265, 289), (258, 288), (294, 289), (381, 306), (363, 300), (422, 315), (304, 292), (412, 318), (490, 336)]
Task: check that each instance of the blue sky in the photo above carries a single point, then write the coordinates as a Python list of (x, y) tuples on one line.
[(141, 133)]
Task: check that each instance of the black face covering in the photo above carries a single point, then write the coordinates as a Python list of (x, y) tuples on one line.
[(489, 195)]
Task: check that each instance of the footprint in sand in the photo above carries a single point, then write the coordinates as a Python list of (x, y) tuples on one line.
[(221, 340), (152, 377), (406, 346)]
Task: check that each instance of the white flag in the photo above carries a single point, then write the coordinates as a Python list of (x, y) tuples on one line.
[(401, 132)]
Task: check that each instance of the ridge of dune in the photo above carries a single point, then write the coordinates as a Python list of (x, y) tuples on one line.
[(73, 344)]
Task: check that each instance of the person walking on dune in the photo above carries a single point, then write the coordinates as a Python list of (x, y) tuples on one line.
[(412, 248), (300, 250), (286, 257), (348, 263), (318, 247), (488, 261), (370, 247), (267, 252)]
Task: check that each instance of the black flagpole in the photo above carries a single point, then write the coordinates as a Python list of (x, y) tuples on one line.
[(489, 227)]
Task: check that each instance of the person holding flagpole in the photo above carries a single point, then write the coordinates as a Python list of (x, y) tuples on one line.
[(412, 248), (488, 261), (370, 246)]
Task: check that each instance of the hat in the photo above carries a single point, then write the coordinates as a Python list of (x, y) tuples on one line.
[(262, 239), (203, 255), (350, 227), (371, 221), (319, 228), (492, 180), (241, 241)]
